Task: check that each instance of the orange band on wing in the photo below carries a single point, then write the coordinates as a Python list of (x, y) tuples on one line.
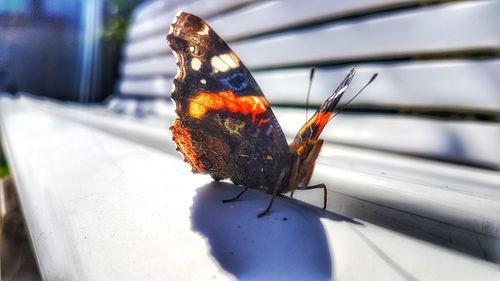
[(182, 138), (204, 101)]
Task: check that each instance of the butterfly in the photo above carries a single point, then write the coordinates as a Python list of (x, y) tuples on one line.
[(226, 127)]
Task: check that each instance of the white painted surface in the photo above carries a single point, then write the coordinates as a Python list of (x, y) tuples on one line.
[(99, 207), (272, 15), (156, 17), (453, 140), (455, 27), (150, 9), (467, 26), (94, 212), (472, 195), (451, 84)]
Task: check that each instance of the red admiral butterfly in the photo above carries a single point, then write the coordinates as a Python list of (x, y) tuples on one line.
[(226, 127)]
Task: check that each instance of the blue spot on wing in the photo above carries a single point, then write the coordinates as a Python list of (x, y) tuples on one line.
[(237, 81)]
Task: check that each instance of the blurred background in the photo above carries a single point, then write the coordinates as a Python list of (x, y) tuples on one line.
[(417, 153), (66, 50)]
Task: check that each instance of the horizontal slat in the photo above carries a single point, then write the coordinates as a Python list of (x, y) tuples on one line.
[(469, 142), (450, 84), (160, 86), (274, 14), (160, 65), (161, 22), (124, 204), (150, 9), (285, 14), (467, 26)]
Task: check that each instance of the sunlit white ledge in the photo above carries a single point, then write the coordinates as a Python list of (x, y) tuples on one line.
[(103, 203), (475, 186)]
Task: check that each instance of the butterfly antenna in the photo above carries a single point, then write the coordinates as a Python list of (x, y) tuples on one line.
[(356, 95), (314, 126), (311, 76)]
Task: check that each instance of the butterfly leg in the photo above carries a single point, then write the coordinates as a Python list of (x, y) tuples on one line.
[(236, 197), (275, 192), (325, 193), (266, 211), (293, 175)]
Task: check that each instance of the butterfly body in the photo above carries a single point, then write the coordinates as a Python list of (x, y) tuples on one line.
[(226, 127)]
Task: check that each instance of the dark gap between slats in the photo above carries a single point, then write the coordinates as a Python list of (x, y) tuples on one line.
[(436, 113), (476, 54), (462, 162)]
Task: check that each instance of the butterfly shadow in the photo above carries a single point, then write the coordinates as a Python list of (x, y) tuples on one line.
[(288, 244)]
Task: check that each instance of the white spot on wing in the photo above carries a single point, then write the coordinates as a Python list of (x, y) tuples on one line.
[(230, 59), (218, 64), (225, 62), (195, 64)]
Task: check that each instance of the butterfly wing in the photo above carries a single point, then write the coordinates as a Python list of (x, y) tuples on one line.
[(226, 127), (312, 129), (306, 145)]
